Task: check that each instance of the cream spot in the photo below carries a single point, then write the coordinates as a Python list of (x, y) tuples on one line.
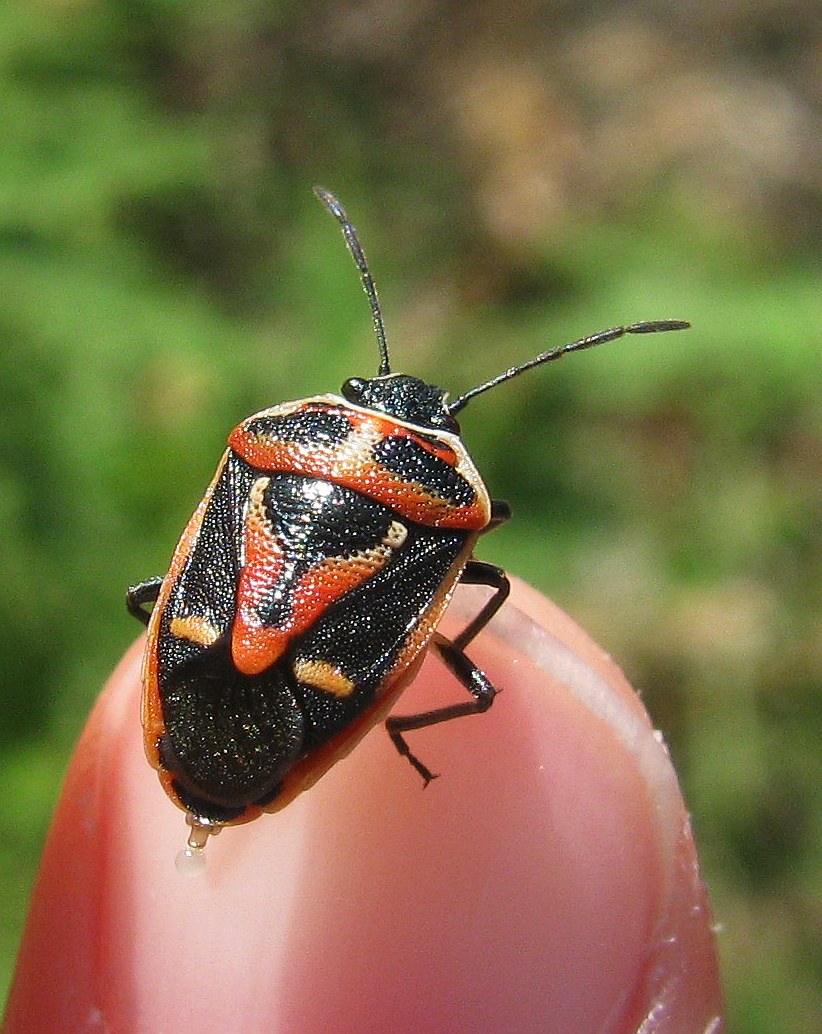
[(195, 629), (395, 536), (324, 676)]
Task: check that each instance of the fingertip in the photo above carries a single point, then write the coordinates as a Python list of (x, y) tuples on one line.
[(61, 947), (548, 880), (677, 986)]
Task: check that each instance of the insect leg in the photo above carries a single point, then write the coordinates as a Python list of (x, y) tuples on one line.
[(477, 572), (500, 513), (138, 595), (452, 652)]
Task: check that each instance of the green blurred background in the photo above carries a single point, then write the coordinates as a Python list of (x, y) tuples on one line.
[(521, 175)]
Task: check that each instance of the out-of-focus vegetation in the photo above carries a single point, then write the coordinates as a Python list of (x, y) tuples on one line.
[(521, 175)]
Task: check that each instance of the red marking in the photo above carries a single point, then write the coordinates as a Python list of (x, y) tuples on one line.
[(255, 646), (437, 448), (351, 465)]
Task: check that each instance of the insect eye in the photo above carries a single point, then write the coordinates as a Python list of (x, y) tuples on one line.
[(353, 389)]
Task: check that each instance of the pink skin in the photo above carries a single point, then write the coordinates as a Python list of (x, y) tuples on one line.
[(548, 882)]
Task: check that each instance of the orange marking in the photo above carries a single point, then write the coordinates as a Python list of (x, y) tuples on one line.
[(324, 676), (255, 647), (154, 725), (442, 450), (196, 629), (351, 465)]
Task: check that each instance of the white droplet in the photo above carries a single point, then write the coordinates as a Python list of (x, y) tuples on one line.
[(190, 862)]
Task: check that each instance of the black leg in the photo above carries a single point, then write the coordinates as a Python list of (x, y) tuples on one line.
[(500, 513), (477, 572), (475, 681), (138, 595)]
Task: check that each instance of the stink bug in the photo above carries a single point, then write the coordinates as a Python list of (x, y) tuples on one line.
[(309, 582)]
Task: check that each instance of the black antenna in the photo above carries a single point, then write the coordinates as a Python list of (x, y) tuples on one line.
[(353, 241), (653, 327)]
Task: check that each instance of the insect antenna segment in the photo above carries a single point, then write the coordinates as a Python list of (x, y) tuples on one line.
[(652, 327), (353, 241)]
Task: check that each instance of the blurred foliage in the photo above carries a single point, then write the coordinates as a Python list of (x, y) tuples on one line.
[(520, 176)]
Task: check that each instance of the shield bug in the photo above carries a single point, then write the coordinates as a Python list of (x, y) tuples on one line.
[(308, 584)]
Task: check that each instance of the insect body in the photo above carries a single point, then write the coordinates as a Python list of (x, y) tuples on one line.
[(308, 585)]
